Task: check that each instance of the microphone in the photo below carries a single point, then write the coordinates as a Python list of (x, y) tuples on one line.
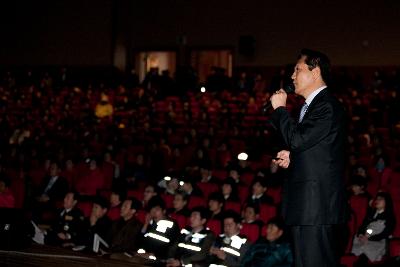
[(288, 88)]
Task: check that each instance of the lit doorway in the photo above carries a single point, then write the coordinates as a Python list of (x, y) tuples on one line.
[(203, 61), (160, 60)]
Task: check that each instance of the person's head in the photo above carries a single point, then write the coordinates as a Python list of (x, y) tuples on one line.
[(129, 207), (173, 184), (198, 217), (116, 197), (259, 186), (383, 202), (311, 72), (234, 173), (275, 229), (187, 185), (205, 171), (149, 192), (70, 200), (180, 200), (99, 208), (93, 164), (215, 202), (54, 170), (358, 185), (4, 184), (156, 208), (229, 187), (232, 223), (251, 213)]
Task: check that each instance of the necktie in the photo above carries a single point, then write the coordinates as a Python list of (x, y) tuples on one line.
[(303, 111)]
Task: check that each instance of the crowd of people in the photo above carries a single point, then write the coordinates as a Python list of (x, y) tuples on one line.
[(158, 176)]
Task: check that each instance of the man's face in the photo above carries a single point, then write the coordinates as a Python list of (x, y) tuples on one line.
[(230, 227), (249, 214), (98, 211), (196, 220), (126, 210), (114, 199), (179, 202), (69, 201), (157, 213), (53, 170), (258, 189), (273, 232), (214, 205), (303, 78), (148, 193)]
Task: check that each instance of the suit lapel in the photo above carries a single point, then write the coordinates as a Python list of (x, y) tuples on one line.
[(316, 99)]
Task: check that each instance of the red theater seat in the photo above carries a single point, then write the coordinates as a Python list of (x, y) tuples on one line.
[(252, 231)]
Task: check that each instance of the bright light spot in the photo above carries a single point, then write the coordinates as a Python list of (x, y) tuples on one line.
[(203, 89), (151, 257), (369, 231), (181, 183), (242, 156), (167, 178), (141, 251)]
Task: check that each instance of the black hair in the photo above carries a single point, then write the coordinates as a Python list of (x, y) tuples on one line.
[(217, 196), (253, 206), (156, 201), (388, 202), (185, 197), (315, 59), (101, 201), (234, 215), (278, 222), (119, 192), (135, 204), (204, 213), (261, 180), (233, 185), (75, 194)]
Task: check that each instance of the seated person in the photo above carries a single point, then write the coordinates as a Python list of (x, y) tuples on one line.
[(206, 174), (229, 247), (194, 243), (116, 199), (169, 184), (7, 199), (69, 224), (125, 234), (189, 186), (180, 204), (215, 205), (373, 236), (159, 231), (52, 189), (98, 223), (229, 190), (358, 186), (250, 215), (149, 191), (258, 196), (91, 181), (271, 251)]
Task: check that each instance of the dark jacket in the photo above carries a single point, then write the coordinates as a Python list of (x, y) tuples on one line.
[(184, 248), (390, 223), (268, 254), (314, 192), (124, 236)]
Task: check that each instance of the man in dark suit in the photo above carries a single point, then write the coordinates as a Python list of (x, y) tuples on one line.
[(314, 195)]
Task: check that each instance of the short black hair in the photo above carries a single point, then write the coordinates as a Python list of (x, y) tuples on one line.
[(278, 222), (217, 196), (75, 194), (255, 207), (315, 59), (185, 196), (101, 201), (156, 201), (135, 204), (234, 215), (204, 213), (120, 193), (261, 180)]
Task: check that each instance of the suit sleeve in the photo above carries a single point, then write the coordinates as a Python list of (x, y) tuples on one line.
[(314, 128)]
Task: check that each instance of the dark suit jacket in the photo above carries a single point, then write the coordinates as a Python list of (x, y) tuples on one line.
[(57, 191), (314, 192)]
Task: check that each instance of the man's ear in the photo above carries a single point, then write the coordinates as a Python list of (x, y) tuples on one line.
[(316, 73)]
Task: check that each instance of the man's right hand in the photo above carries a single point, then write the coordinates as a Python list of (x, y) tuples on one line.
[(282, 159)]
